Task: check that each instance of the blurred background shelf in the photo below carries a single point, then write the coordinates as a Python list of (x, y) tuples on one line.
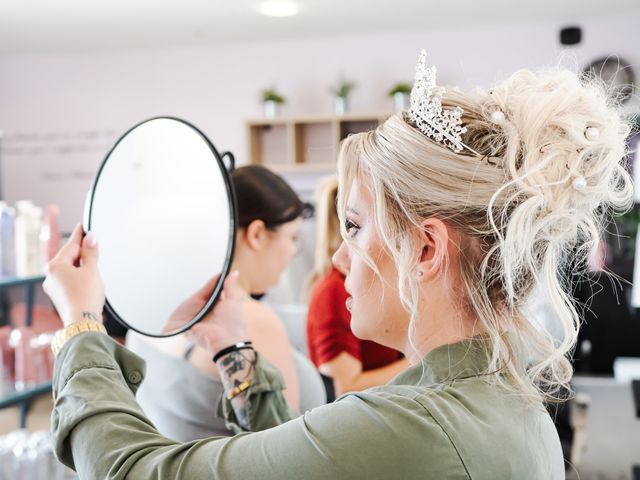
[(30, 283), (9, 396), (307, 143)]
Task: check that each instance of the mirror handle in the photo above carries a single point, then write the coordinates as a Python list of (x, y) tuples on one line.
[(231, 161)]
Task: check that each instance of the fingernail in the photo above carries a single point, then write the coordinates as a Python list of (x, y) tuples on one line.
[(236, 273), (91, 239)]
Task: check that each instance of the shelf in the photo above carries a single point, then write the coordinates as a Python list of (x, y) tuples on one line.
[(347, 127), (306, 143), (315, 142), (328, 167), (9, 396), (16, 281)]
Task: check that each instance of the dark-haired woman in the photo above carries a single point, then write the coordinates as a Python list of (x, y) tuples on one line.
[(182, 386)]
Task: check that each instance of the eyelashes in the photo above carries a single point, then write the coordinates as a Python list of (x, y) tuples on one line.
[(351, 228)]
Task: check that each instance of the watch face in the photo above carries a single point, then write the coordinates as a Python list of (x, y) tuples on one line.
[(616, 73)]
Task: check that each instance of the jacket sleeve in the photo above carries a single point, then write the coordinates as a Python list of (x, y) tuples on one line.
[(101, 432)]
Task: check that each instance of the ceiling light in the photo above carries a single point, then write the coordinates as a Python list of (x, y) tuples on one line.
[(279, 8)]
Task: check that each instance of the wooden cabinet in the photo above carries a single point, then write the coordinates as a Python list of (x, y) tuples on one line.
[(304, 143)]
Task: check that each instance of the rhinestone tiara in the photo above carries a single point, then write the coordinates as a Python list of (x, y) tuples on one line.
[(444, 126)]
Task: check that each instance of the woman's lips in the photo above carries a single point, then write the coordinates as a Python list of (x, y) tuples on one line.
[(348, 302)]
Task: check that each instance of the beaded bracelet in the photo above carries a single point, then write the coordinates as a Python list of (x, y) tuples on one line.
[(233, 348)]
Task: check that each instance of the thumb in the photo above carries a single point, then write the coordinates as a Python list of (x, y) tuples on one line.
[(200, 333), (89, 253)]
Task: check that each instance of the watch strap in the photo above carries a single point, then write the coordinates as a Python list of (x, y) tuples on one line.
[(62, 336)]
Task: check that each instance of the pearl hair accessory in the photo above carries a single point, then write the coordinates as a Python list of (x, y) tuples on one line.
[(498, 117), (592, 133), (579, 183), (444, 126)]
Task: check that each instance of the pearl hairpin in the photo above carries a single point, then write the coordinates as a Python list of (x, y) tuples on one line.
[(497, 117), (579, 183), (592, 133)]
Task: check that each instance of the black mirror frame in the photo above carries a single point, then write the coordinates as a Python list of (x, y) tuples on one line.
[(233, 219)]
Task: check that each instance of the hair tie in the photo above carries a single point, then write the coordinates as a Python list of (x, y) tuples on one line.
[(233, 348)]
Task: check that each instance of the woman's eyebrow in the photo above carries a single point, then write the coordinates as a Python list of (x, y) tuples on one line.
[(351, 211)]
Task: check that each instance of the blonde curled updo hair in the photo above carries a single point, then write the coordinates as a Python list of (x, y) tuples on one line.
[(522, 217)]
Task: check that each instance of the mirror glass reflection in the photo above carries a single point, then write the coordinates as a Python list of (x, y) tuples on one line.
[(163, 212)]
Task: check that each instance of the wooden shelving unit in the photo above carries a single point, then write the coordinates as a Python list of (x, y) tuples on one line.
[(304, 144)]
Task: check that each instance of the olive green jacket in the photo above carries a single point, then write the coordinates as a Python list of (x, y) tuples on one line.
[(441, 421)]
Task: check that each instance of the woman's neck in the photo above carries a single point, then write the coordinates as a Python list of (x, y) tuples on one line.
[(243, 281), (441, 323)]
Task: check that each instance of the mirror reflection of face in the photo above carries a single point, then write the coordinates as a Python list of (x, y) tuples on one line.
[(376, 311), (275, 252)]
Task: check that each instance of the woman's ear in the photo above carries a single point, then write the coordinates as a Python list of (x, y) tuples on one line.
[(434, 241), (255, 235)]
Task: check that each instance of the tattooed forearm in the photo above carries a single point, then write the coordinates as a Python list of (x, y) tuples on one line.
[(233, 364), (236, 368)]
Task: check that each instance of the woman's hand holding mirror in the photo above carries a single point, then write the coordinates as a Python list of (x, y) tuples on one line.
[(225, 324), (73, 281)]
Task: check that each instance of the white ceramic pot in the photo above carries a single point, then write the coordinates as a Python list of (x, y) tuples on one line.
[(340, 105), (271, 109), (400, 101)]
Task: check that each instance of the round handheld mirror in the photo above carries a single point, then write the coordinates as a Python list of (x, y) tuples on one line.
[(163, 210)]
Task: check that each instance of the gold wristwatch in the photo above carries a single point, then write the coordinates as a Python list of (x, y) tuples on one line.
[(62, 336)]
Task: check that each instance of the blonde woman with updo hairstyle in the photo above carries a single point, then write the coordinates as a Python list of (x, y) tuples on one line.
[(452, 213), (346, 362)]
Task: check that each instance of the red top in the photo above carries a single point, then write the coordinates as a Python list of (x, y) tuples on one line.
[(329, 328)]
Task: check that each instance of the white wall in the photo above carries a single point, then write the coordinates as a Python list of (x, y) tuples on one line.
[(60, 112)]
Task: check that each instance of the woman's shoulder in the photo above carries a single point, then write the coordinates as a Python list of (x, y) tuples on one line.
[(392, 425), (464, 422), (259, 315)]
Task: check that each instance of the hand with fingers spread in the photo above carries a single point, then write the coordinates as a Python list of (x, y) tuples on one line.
[(73, 281), (225, 324)]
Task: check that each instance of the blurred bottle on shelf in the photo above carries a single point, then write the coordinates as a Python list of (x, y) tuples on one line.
[(33, 357), (7, 240), (7, 360), (50, 234), (27, 226), (27, 240)]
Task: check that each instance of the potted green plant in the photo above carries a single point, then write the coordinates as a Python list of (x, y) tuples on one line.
[(341, 94), (272, 101), (400, 94)]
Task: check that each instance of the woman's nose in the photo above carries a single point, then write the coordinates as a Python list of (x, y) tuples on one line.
[(341, 258)]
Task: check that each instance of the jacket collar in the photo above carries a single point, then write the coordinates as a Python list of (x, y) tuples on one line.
[(464, 359)]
